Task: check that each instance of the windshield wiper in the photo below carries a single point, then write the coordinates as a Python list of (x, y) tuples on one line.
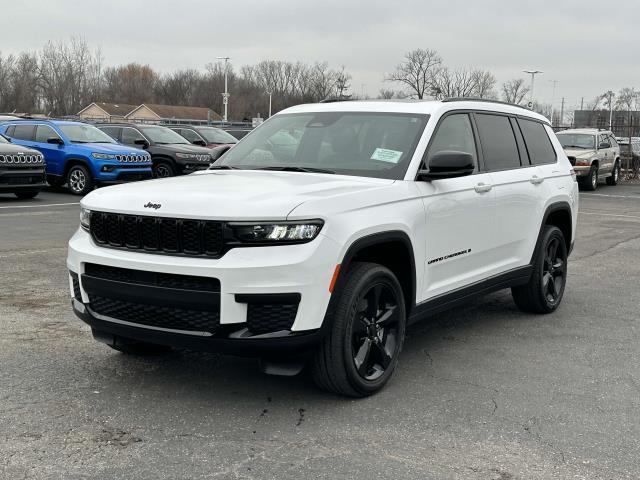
[(297, 169), (576, 146)]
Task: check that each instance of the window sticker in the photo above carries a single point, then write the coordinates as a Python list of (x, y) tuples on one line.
[(385, 155)]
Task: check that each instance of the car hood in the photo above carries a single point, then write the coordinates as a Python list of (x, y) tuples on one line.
[(114, 148), (13, 149), (227, 194), (579, 152)]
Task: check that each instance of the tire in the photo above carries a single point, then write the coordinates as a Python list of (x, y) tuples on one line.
[(27, 194), (79, 181), (543, 293), (590, 183), (163, 169), (615, 174), (357, 357)]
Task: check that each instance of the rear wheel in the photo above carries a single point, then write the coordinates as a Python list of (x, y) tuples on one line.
[(26, 194), (615, 174), (360, 353), (163, 169), (543, 293), (591, 181), (79, 181)]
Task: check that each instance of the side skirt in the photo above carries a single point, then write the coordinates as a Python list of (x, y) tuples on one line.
[(462, 295)]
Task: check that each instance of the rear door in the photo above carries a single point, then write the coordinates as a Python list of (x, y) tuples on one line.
[(517, 186), (605, 155), (22, 134)]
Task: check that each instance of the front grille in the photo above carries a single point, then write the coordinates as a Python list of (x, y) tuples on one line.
[(155, 279), (133, 158), (22, 179), (21, 159), (271, 317), (158, 234), (156, 316)]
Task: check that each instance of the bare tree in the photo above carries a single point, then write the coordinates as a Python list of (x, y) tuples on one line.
[(514, 91), (453, 83), (417, 72), (343, 83), (485, 84), (132, 83)]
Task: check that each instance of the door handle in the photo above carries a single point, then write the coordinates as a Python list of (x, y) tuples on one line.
[(536, 180), (483, 187)]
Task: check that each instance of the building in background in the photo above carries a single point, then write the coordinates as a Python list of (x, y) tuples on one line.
[(105, 112), (151, 113)]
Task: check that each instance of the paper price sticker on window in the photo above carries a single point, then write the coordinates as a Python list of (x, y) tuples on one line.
[(385, 155)]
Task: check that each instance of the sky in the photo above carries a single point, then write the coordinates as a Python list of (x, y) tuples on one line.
[(582, 45)]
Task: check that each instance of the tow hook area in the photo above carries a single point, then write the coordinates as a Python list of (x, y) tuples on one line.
[(284, 367)]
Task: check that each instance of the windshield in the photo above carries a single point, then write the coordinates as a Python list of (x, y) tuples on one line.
[(349, 143), (216, 135), (82, 133), (577, 140), (163, 135)]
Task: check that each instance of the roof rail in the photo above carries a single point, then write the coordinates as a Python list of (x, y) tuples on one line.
[(487, 100), (333, 100)]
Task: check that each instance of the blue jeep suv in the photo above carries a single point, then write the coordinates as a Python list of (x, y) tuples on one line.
[(79, 154)]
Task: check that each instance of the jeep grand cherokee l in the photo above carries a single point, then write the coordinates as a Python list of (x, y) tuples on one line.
[(172, 154), (383, 214), (79, 155), (21, 170)]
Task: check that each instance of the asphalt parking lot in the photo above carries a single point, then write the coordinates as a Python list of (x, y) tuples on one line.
[(482, 392)]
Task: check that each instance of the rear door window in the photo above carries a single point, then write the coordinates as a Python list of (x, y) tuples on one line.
[(499, 147), (23, 132), (537, 141)]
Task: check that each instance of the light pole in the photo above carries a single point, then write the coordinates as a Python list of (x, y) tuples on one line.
[(225, 95), (270, 93), (533, 76), (553, 99), (609, 96)]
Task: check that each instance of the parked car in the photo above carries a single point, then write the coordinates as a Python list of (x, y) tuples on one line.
[(171, 153), (79, 155), (204, 136), (21, 170), (388, 213), (594, 154), (629, 151)]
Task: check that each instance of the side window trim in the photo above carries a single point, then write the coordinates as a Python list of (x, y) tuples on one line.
[(479, 163)]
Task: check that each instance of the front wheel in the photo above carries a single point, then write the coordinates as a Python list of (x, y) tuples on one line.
[(162, 169), (79, 181), (543, 293), (591, 181), (615, 175), (360, 353)]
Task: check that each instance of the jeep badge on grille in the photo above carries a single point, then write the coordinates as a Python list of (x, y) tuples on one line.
[(155, 206)]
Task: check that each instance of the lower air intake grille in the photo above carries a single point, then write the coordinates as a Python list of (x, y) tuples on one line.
[(155, 316), (265, 318)]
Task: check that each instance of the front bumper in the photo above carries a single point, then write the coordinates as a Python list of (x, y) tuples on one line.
[(245, 276), (123, 174), (17, 179), (582, 170)]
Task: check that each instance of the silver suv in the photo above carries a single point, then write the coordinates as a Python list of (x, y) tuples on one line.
[(594, 154)]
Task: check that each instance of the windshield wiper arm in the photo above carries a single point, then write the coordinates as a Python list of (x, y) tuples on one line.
[(297, 169)]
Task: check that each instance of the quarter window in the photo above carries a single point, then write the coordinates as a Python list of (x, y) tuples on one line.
[(44, 133), (538, 143), (499, 148), (454, 134)]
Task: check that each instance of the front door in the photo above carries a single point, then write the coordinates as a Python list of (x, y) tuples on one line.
[(458, 214), (53, 153)]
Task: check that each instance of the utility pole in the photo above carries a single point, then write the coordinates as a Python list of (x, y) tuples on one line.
[(225, 95), (562, 112), (553, 102), (533, 74), (582, 104), (609, 96), (270, 93)]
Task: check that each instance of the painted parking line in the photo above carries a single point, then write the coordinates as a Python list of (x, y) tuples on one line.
[(637, 197), (610, 215), (40, 206)]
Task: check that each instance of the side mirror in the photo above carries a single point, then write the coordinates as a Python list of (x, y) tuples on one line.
[(448, 164), (143, 143), (217, 152), (55, 141), (202, 143), (604, 145)]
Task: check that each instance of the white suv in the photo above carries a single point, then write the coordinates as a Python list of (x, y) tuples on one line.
[(324, 247)]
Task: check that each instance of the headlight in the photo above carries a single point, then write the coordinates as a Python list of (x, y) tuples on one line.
[(274, 233), (85, 218), (104, 156)]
